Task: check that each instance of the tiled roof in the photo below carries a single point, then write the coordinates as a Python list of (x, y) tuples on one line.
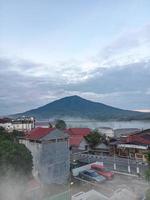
[(38, 133), (75, 140), (142, 137), (76, 135), (79, 131)]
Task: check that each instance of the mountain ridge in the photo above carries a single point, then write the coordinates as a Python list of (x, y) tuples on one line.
[(78, 107)]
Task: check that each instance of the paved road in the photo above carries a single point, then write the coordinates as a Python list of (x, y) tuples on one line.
[(122, 164)]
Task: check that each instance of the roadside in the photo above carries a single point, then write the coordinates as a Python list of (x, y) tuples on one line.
[(131, 183)]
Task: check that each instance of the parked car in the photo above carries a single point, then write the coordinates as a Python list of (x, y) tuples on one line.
[(100, 169), (91, 175)]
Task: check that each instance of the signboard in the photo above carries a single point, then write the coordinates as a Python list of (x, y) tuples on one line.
[(133, 146)]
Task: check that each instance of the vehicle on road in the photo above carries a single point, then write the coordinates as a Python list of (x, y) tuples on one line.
[(100, 169), (91, 175)]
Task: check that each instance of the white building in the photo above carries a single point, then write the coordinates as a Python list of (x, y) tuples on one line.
[(23, 124), (109, 132), (19, 124)]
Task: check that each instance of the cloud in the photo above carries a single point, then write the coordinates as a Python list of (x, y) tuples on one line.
[(118, 76), (130, 47)]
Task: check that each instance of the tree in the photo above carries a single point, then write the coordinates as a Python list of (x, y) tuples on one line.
[(147, 172), (94, 138), (15, 166), (60, 124), (147, 175), (15, 158)]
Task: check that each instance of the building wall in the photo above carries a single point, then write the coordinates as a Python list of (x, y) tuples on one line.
[(51, 158), (36, 150), (19, 124), (107, 131), (55, 162), (23, 126), (83, 145)]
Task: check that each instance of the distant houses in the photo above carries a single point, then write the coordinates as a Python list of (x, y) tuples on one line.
[(109, 132), (76, 138), (127, 142), (20, 124), (134, 146), (131, 143)]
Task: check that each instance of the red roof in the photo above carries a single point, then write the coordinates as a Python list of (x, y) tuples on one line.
[(76, 135), (38, 133), (75, 140), (79, 131), (142, 137)]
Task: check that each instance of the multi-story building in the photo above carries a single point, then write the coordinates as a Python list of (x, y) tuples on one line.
[(23, 123), (20, 124), (51, 157)]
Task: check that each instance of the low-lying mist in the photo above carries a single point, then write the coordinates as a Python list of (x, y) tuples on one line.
[(13, 187)]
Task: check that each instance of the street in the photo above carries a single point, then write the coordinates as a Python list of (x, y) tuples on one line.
[(113, 163)]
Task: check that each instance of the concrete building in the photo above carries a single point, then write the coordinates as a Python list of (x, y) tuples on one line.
[(51, 157), (109, 132), (20, 124), (23, 124)]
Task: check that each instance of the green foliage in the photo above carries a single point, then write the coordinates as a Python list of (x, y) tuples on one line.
[(60, 124), (148, 157), (15, 158), (2, 129), (147, 172), (147, 196), (147, 175), (94, 138)]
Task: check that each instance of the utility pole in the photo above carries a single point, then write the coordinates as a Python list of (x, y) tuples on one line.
[(129, 169), (114, 159)]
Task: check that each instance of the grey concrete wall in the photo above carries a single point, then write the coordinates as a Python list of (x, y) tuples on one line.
[(54, 163), (51, 160)]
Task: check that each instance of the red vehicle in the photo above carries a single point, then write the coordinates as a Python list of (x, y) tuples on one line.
[(102, 171)]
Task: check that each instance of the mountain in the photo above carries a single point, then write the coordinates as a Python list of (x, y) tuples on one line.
[(77, 107)]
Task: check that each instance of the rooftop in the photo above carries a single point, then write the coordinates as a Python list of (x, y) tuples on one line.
[(78, 131), (38, 133)]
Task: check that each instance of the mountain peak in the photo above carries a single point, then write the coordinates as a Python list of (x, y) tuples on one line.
[(78, 107), (74, 97)]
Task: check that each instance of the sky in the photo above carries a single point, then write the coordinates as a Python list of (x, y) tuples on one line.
[(98, 49)]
